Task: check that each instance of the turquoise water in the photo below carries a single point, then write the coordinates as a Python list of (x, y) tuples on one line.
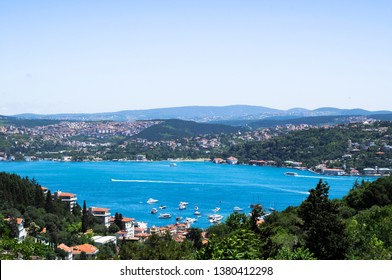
[(125, 187)]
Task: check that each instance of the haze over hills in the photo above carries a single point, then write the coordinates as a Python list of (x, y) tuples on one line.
[(205, 113)]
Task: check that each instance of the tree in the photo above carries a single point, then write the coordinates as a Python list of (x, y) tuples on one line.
[(194, 235), (257, 212), (324, 230), (84, 217)]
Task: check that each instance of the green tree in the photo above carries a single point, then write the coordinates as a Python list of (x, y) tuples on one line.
[(324, 230), (84, 217)]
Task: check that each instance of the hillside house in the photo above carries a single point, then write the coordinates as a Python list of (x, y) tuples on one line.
[(90, 250), (101, 213), (69, 198), (67, 250)]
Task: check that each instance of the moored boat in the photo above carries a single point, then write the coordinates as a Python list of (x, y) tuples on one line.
[(164, 216), (151, 201), (237, 209), (154, 211)]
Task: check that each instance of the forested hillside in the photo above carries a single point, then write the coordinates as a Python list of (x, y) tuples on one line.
[(177, 129), (369, 146)]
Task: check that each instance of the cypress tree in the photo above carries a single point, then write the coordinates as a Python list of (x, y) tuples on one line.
[(49, 207), (84, 217)]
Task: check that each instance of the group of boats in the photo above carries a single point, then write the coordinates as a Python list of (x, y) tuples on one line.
[(213, 218)]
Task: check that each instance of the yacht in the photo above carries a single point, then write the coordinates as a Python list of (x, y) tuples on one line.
[(164, 216), (237, 209), (190, 220), (154, 211), (216, 209), (151, 201), (197, 212), (162, 207), (291, 173), (181, 206), (215, 218)]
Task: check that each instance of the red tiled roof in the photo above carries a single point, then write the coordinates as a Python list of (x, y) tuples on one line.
[(142, 235), (64, 247), (61, 194), (19, 221), (127, 220), (87, 248), (97, 209)]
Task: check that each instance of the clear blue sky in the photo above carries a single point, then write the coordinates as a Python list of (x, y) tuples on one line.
[(102, 56)]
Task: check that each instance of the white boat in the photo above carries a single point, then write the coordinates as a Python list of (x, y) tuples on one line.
[(216, 209), (173, 165), (183, 202), (162, 207), (291, 173), (237, 209), (189, 220), (197, 213), (179, 218), (215, 218), (154, 211), (164, 216), (181, 206), (151, 201)]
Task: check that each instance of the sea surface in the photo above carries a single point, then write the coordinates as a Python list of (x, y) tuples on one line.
[(125, 187)]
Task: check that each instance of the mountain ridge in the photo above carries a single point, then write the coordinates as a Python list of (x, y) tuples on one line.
[(203, 113)]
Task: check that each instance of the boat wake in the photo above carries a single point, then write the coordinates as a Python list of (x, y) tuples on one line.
[(162, 182), (341, 178), (207, 183)]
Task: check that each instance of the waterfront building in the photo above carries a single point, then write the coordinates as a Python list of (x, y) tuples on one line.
[(69, 198), (232, 160), (333, 171)]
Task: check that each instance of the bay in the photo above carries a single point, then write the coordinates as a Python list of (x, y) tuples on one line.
[(125, 187)]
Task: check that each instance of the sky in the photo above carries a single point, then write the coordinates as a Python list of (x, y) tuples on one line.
[(105, 56)]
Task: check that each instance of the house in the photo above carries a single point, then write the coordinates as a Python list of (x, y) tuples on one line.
[(232, 160), (21, 229), (384, 171), (140, 158), (129, 226), (67, 250), (218, 160), (258, 162), (333, 171), (90, 250), (128, 231), (102, 240), (101, 213), (69, 198), (369, 171)]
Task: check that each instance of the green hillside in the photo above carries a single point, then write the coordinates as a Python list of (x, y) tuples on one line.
[(177, 129)]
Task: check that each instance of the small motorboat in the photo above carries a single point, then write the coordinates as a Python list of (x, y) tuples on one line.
[(164, 216), (151, 201), (154, 211), (291, 173)]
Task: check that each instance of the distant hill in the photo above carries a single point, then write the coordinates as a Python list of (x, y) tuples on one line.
[(315, 121), (177, 129), (206, 114)]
